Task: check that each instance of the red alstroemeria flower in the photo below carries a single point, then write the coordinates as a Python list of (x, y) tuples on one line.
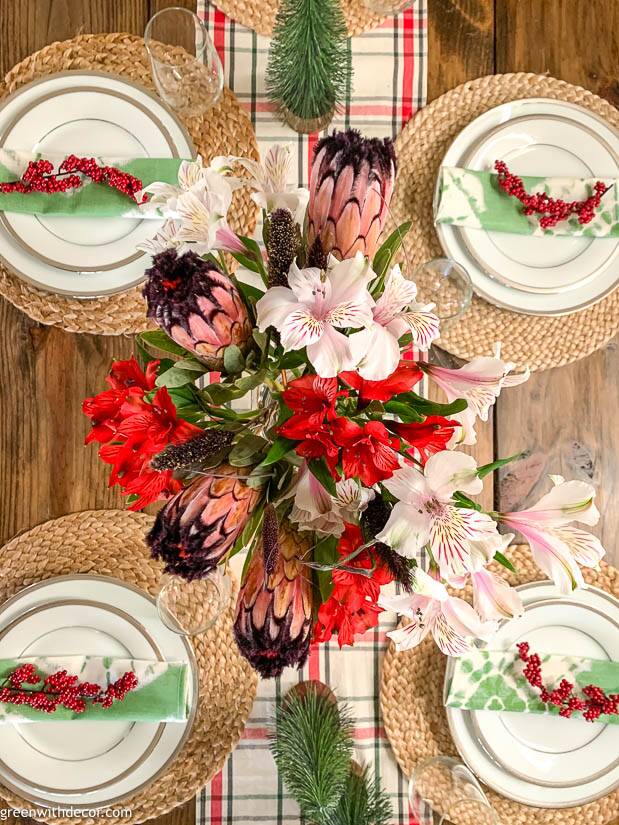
[(427, 437), (352, 607), (104, 409), (368, 451), (401, 379), (312, 399), (320, 445)]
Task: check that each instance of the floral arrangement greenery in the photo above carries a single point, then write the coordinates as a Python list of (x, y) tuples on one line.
[(338, 479), (312, 745)]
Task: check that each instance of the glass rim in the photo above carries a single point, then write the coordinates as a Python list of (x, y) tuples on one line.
[(148, 37), (167, 616)]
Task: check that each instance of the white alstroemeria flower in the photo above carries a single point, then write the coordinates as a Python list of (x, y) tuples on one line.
[(452, 621), (480, 383), (166, 238), (493, 597), (315, 306), (377, 349), (269, 180), (425, 512), (558, 547), (315, 509)]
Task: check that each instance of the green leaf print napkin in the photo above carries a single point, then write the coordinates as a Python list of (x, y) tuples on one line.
[(493, 680), (161, 694), (90, 199), (474, 199)]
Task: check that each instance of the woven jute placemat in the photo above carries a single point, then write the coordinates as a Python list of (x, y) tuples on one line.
[(111, 543), (224, 130), (536, 341), (260, 15), (411, 700)]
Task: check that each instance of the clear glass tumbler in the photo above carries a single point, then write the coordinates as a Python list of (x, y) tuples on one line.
[(443, 791), (387, 7), (186, 68), (192, 607), (447, 285)]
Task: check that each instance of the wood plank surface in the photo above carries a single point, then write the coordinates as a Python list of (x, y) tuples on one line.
[(564, 418)]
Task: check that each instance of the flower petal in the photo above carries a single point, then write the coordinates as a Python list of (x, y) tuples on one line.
[(552, 555), (586, 548), (408, 485), (397, 295), (376, 352), (330, 354), (449, 471), (301, 329), (568, 501), (275, 306), (493, 598), (349, 280), (423, 325), (406, 531)]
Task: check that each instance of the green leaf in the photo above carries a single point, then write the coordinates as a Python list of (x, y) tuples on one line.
[(318, 468), (249, 292), (427, 407), (294, 359), (486, 469), (325, 552), (175, 378), (260, 338), (193, 365), (219, 394), (404, 411), (246, 451), (387, 250), (278, 450), (464, 501), (158, 339), (504, 561), (234, 362), (250, 382)]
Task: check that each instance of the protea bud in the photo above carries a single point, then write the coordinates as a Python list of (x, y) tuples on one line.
[(197, 305), (351, 184), (282, 245), (274, 612), (197, 527)]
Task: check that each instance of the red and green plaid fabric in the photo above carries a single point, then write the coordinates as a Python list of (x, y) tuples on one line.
[(389, 85)]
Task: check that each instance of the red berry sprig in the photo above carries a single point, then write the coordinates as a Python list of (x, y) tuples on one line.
[(554, 210), (62, 689), (595, 703), (40, 177)]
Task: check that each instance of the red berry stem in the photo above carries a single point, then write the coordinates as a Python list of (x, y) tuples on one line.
[(554, 210), (40, 177), (63, 689), (595, 703)]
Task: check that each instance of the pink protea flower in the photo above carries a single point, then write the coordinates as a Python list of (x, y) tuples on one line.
[(351, 184), (197, 305), (273, 620), (196, 528)]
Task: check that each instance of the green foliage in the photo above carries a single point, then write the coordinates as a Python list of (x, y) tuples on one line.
[(362, 803), (312, 747), (486, 469), (385, 254), (504, 561), (309, 67)]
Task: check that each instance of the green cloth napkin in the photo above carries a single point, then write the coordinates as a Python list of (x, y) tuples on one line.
[(90, 199), (473, 199), (161, 695), (493, 680)]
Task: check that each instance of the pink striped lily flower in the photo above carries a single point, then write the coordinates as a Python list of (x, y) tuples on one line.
[(556, 545)]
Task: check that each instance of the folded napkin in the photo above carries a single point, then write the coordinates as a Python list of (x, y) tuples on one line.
[(161, 694), (475, 200), (493, 680), (90, 199)]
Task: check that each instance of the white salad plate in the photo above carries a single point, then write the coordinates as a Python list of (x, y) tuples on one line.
[(91, 114), (547, 761), (81, 764), (536, 275)]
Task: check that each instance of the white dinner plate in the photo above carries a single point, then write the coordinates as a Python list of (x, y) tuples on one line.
[(549, 275), (87, 113), (538, 760), (91, 764)]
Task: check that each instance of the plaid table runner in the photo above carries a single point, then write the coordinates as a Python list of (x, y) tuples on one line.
[(389, 85)]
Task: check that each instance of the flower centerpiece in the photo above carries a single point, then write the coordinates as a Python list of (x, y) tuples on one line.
[(339, 478)]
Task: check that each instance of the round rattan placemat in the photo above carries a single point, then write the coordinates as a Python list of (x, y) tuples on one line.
[(540, 342), (411, 700), (224, 130), (260, 15), (110, 543)]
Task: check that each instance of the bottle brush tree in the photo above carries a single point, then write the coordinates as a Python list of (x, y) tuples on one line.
[(309, 68)]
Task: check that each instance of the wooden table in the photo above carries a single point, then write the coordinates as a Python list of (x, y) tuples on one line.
[(566, 419)]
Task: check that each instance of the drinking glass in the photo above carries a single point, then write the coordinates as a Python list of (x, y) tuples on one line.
[(443, 791), (185, 66), (192, 607), (447, 285)]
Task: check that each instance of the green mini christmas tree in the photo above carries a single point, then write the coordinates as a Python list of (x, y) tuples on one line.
[(312, 744), (309, 67)]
